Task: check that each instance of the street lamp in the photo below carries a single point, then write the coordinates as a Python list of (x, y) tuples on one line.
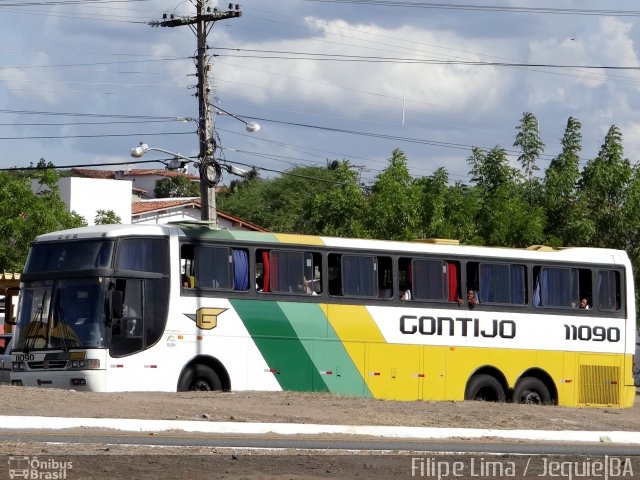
[(249, 126), (174, 163)]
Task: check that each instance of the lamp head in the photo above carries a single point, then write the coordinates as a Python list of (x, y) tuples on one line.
[(252, 127), (139, 151)]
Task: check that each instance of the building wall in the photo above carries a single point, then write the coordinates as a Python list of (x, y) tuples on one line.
[(86, 196)]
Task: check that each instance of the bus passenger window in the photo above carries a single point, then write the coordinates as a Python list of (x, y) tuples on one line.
[(498, 283), (609, 290), (187, 270), (335, 274), (385, 277), (289, 272), (360, 275), (561, 287), (214, 267), (431, 279)]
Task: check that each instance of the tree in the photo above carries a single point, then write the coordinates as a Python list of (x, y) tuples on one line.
[(339, 209), (176, 187), (490, 170), (449, 211), (394, 202), (565, 223), (528, 140), (506, 217), (604, 186), (25, 214), (278, 204), (107, 217)]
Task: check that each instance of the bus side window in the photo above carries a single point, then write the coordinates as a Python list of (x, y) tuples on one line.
[(335, 274), (561, 287), (290, 272), (500, 283), (385, 277), (609, 291), (360, 275), (263, 271), (187, 271), (405, 274)]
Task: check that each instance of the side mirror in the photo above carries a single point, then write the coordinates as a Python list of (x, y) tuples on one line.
[(9, 293)]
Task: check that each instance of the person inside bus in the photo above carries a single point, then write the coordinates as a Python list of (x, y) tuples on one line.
[(584, 304), (472, 299), (405, 292)]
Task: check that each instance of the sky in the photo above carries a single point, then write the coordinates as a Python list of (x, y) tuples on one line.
[(84, 81)]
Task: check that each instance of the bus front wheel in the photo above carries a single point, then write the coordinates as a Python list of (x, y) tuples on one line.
[(486, 388), (199, 378), (532, 391)]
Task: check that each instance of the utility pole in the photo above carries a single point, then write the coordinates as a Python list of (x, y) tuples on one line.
[(210, 170)]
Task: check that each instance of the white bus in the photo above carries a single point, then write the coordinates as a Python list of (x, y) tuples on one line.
[(184, 307)]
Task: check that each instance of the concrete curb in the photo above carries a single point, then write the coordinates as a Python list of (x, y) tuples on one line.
[(426, 433)]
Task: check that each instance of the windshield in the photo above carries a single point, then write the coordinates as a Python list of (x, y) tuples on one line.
[(61, 315), (69, 256)]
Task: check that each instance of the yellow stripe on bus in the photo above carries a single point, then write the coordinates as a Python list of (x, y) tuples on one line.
[(298, 239), (390, 371)]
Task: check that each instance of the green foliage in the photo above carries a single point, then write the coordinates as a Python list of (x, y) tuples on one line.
[(280, 204), (565, 220), (338, 210), (176, 187), (394, 202), (107, 217), (528, 139), (490, 170), (25, 215), (604, 184)]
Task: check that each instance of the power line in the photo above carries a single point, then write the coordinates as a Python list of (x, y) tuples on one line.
[(490, 8), (81, 165), (101, 135), (373, 59)]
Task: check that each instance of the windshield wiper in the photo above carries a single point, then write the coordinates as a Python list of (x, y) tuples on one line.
[(61, 324), (36, 320)]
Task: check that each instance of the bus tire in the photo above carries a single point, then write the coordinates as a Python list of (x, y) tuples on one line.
[(532, 391), (485, 388), (199, 378)]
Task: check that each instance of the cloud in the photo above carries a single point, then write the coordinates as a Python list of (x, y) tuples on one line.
[(360, 87)]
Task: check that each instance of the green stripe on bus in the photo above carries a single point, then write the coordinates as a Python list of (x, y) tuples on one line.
[(203, 231), (325, 349), (280, 345)]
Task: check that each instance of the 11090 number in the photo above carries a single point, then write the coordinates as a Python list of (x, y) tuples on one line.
[(594, 334)]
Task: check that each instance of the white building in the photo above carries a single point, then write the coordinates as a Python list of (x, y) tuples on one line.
[(86, 196), (127, 194)]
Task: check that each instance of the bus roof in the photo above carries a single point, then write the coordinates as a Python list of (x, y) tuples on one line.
[(203, 231)]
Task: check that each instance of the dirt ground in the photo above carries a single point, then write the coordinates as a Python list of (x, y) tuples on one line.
[(110, 461), (310, 408)]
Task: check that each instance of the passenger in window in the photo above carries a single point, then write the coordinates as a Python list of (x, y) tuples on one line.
[(584, 304), (406, 294), (307, 286), (472, 299), (185, 282)]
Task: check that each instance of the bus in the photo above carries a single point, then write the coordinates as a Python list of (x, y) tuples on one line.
[(183, 307)]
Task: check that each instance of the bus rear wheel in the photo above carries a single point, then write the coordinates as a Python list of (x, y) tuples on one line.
[(485, 388), (532, 391), (199, 378)]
